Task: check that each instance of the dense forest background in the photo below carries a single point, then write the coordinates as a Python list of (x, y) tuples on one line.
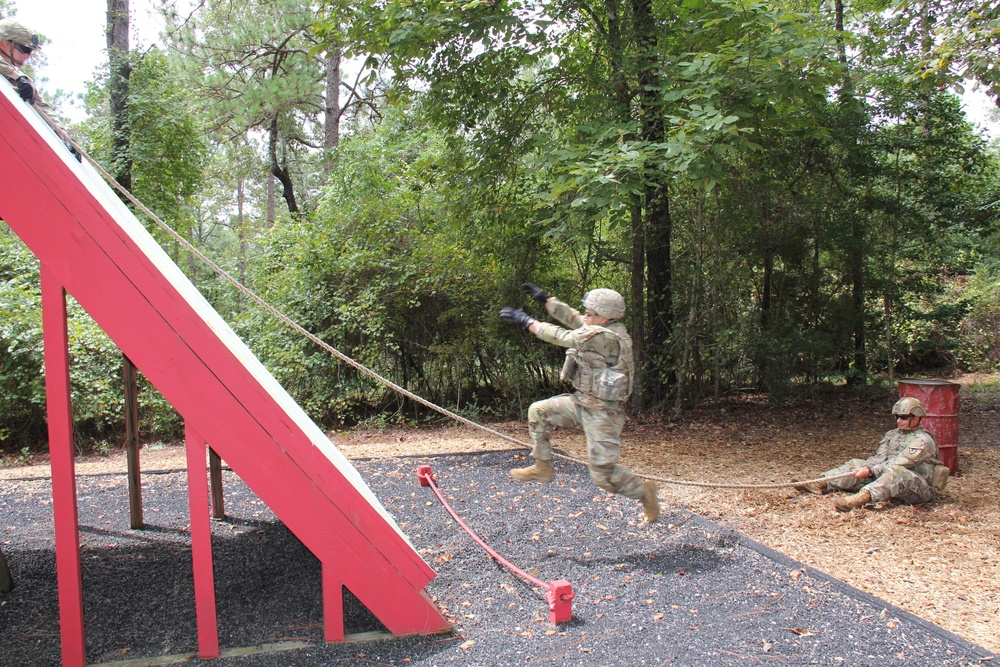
[(787, 194)]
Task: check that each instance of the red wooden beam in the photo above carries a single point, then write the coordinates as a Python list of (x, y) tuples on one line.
[(104, 257), (333, 606), (60, 415), (201, 547)]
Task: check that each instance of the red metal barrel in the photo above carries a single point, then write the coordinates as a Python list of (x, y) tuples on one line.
[(940, 400)]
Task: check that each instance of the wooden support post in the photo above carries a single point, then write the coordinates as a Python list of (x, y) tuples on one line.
[(201, 547), (215, 478), (60, 415), (6, 579), (131, 387), (333, 605)]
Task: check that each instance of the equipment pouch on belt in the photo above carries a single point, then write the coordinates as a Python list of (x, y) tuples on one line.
[(939, 477), (568, 371), (587, 373), (610, 385)]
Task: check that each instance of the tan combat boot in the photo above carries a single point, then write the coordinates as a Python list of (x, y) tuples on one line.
[(819, 488), (650, 503), (540, 472), (853, 502)]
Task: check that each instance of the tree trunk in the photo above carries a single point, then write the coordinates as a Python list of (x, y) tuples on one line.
[(856, 250), (622, 94), (331, 116), (658, 227), (638, 286), (270, 199), (280, 169), (121, 70), (768, 279), (241, 232), (659, 295), (860, 373)]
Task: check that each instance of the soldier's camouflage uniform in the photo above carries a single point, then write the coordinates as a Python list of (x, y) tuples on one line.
[(12, 73), (902, 467), (601, 421)]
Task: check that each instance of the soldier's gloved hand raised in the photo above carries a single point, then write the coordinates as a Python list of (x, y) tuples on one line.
[(25, 89), (535, 292), (516, 316)]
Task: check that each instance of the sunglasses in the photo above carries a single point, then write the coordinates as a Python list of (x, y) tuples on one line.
[(26, 50), (904, 416)]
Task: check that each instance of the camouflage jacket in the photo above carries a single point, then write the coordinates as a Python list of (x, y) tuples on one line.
[(602, 346), (914, 449), (11, 73)]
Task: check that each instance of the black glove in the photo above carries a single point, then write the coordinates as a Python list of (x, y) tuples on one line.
[(73, 151), (516, 316), (535, 292), (25, 89)]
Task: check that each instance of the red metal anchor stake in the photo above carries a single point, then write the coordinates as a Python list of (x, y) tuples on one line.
[(560, 598), (559, 594)]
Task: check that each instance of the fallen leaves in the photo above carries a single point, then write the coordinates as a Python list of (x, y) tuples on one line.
[(951, 583)]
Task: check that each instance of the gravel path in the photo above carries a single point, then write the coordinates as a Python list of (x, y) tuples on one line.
[(681, 592)]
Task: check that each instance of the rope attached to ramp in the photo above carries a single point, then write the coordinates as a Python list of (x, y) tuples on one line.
[(246, 291)]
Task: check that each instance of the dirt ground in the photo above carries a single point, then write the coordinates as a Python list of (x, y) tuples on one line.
[(937, 561)]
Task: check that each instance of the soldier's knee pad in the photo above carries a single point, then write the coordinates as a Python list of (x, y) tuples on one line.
[(602, 477)]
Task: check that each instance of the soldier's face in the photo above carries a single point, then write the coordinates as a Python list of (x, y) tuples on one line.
[(906, 422), (16, 55), (590, 317)]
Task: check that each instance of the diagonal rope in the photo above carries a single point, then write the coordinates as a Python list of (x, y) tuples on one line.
[(246, 291)]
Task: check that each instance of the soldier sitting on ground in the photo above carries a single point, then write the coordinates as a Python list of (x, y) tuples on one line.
[(904, 467), (599, 366)]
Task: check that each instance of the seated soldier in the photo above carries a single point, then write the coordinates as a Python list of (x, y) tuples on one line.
[(903, 467)]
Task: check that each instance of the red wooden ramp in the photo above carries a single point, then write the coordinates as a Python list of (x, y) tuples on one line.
[(91, 246)]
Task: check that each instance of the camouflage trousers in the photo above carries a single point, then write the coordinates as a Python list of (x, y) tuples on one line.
[(896, 482), (603, 429)]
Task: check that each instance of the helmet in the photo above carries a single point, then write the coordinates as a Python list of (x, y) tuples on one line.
[(909, 406), (15, 31), (605, 302)]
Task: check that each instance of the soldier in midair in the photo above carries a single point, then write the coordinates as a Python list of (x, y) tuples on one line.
[(600, 368)]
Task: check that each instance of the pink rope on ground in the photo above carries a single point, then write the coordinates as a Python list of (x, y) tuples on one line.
[(558, 594)]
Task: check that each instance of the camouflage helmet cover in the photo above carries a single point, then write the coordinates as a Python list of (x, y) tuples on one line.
[(909, 406), (605, 302), (15, 31)]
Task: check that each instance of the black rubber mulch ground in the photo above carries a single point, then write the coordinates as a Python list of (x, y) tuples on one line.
[(681, 592)]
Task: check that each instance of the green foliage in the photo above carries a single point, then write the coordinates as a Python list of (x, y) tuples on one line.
[(254, 68), (21, 380), (781, 198), (391, 272), (95, 365), (978, 346), (168, 148), (947, 41)]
